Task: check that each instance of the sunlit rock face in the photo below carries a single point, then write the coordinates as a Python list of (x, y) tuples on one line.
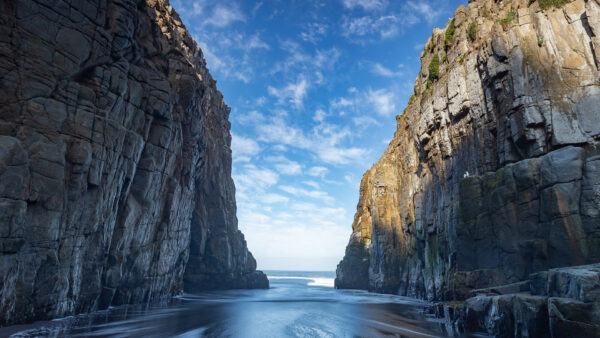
[(115, 161), (494, 171)]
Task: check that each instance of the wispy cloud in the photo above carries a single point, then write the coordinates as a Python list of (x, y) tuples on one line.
[(325, 140), (253, 178), (223, 16), (314, 32), (272, 198), (315, 194), (317, 171), (380, 25), (231, 51), (256, 43), (365, 4), (383, 101), (365, 121), (243, 148), (319, 115), (285, 166), (425, 10), (313, 66), (252, 117), (312, 184), (383, 27), (293, 93), (379, 69)]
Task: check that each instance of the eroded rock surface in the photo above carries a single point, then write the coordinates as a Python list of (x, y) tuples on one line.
[(115, 161), (560, 302), (494, 171)]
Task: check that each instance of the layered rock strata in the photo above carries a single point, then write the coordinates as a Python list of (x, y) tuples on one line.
[(493, 172), (560, 302), (115, 161)]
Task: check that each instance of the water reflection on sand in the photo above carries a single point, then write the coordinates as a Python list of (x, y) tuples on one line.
[(292, 307)]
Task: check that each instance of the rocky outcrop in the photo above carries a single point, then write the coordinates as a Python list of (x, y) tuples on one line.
[(555, 303), (493, 173), (115, 161)]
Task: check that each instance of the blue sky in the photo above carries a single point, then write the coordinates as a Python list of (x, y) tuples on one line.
[(314, 88)]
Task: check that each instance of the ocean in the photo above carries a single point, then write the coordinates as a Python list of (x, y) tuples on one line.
[(298, 304)]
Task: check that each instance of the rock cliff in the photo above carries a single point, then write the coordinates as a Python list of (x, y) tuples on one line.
[(493, 173), (115, 161)]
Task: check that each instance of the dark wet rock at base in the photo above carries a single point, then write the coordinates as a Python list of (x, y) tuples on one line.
[(115, 161), (567, 305), (357, 266)]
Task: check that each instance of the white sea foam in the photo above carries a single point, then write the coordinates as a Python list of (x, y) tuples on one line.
[(327, 282), (314, 281)]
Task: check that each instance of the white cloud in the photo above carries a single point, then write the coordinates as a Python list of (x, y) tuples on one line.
[(198, 7), (324, 140), (319, 237), (315, 194), (256, 43), (312, 184), (326, 58), (341, 155), (379, 69), (272, 198), (279, 147), (319, 115), (223, 16), (225, 64), (214, 63), (365, 121), (383, 27), (424, 9), (317, 171), (314, 32), (293, 93), (277, 131), (383, 101), (342, 102), (252, 178), (313, 66), (284, 165), (289, 168), (365, 4), (243, 148), (256, 7), (251, 118), (261, 101)]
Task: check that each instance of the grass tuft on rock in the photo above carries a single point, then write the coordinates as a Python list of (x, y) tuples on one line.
[(473, 31), (510, 17), (434, 68), (545, 4), (449, 41)]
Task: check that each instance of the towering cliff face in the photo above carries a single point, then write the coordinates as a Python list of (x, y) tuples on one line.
[(115, 161), (493, 173)]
